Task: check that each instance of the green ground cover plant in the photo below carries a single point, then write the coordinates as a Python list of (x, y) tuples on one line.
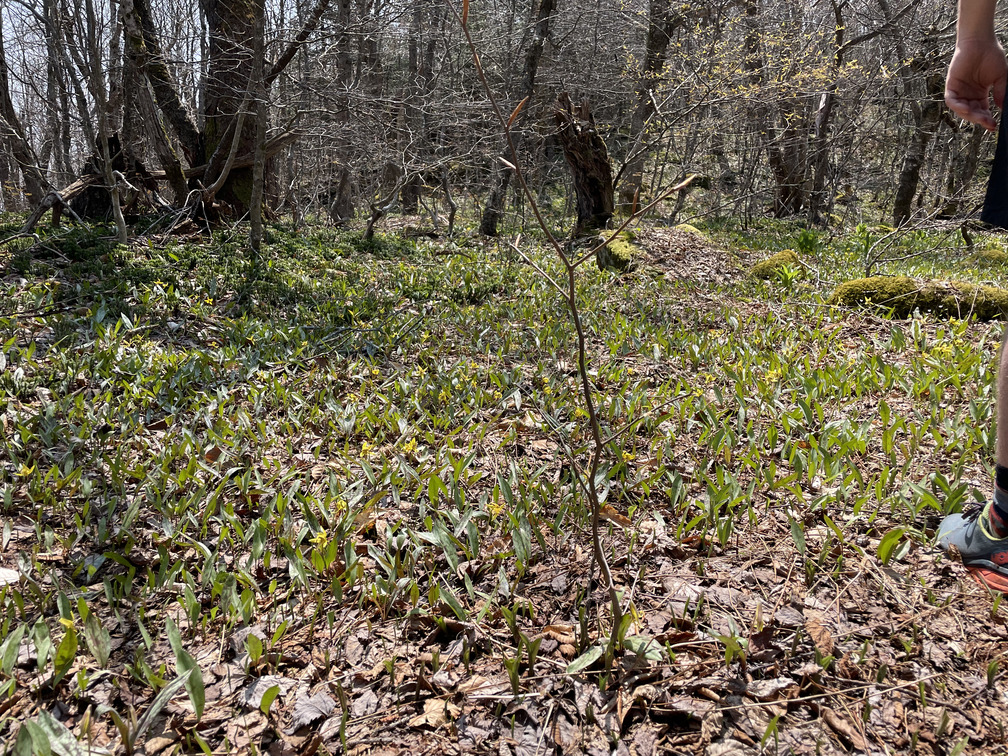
[(327, 501)]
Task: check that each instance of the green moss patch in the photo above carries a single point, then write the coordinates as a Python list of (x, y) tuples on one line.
[(768, 268), (689, 229), (992, 256), (619, 254), (903, 295)]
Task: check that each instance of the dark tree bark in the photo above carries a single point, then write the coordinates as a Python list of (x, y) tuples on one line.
[(962, 168), (143, 42), (785, 153), (52, 150), (588, 161), (338, 196), (788, 156), (143, 52), (64, 163), (927, 115), (70, 52), (494, 210), (224, 149), (108, 150), (662, 23), (120, 97), (12, 198), (818, 202), (412, 121), (231, 25), (344, 52), (368, 68), (35, 182), (259, 164)]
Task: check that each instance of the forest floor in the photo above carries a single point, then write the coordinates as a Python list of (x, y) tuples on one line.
[(326, 502)]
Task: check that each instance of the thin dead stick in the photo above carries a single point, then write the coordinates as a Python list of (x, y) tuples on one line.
[(537, 267), (570, 295)]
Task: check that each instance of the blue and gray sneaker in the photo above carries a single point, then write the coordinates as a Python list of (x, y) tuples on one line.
[(985, 556)]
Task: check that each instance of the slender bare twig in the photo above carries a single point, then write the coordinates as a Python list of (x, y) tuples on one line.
[(538, 268), (569, 292)]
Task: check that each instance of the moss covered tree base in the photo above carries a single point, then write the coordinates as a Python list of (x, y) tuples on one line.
[(619, 254), (903, 295)]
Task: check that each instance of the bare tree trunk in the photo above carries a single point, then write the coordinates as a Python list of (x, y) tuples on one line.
[(588, 161), (927, 117), (52, 92), (142, 39), (259, 166), (449, 201), (169, 160), (339, 196), (962, 168), (232, 25), (97, 81), (344, 55), (788, 157), (417, 145), (70, 53), (144, 99), (823, 121), (118, 96), (12, 198), (494, 210), (411, 133), (786, 154), (57, 98), (35, 182), (661, 25), (65, 162), (368, 68)]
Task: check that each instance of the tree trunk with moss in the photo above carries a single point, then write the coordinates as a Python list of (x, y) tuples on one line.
[(588, 161), (144, 52), (232, 31), (494, 210)]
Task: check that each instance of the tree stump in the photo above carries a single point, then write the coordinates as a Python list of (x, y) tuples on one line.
[(93, 201), (588, 160)]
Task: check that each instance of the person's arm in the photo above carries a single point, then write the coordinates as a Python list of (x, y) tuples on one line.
[(978, 67)]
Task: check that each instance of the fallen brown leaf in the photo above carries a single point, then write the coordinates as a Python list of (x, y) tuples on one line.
[(608, 514), (822, 637), (437, 713), (844, 728)]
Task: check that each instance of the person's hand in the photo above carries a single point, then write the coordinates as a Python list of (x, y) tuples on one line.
[(978, 69)]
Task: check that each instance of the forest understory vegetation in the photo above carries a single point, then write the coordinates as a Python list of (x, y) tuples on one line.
[(325, 499)]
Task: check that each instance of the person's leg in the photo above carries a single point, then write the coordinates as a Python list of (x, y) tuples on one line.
[(980, 537), (998, 511)]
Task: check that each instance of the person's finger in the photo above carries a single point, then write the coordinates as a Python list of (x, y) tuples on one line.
[(971, 109), (999, 90)]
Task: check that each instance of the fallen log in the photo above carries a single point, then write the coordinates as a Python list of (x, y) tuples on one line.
[(58, 202)]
